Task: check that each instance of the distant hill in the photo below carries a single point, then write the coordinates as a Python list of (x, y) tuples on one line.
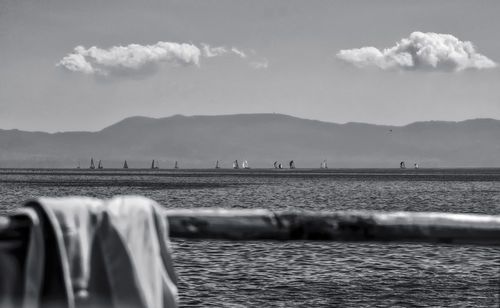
[(198, 141)]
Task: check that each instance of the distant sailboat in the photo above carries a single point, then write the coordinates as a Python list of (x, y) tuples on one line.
[(245, 165), (324, 165), (280, 166), (402, 165), (415, 165), (125, 165), (92, 166), (155, 166), (235, 165), (217, 165), (275, 165), (99, 165), (176, 165), (292, 164)]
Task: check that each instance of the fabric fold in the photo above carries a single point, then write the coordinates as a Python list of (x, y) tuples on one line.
[(22, 260), (111, 253)]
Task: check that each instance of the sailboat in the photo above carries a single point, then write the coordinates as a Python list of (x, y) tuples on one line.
[(244, 165), (217, 165), (125, 165), (292, 164), (92, 166), (235, 164), (402, 165), (153, 166), (415, 165), (99, 165), (176, 165), (275, 165), (324, 165)]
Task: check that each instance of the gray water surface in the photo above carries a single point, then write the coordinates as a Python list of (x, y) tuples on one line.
[(305, 274)]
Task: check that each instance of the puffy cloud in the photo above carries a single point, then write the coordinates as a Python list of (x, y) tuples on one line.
[(258, 65), (135, 59), (131, 58), (76, 63), (420, 51)]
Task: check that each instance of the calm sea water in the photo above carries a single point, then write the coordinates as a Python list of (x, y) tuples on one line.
[(305, 274)]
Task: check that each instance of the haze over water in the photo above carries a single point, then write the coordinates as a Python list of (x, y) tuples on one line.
[(309, 274)]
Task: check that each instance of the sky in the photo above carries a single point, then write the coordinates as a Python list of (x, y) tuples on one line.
[(83, 65)]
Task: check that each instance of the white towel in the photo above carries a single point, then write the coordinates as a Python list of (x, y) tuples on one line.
[(113, 253), (21, 260)]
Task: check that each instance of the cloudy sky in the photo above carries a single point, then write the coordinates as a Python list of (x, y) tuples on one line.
[(82, 65)]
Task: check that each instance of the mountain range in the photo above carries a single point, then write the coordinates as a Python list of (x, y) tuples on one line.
[(198, 141)]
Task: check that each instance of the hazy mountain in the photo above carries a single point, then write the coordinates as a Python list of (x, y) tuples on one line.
[(198, 141)]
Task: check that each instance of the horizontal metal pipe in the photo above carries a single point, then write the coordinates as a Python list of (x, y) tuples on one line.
[(261, 224)]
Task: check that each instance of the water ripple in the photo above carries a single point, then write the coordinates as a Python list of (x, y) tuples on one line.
[(306, 274)]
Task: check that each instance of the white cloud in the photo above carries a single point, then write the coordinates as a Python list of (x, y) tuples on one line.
[(258, 65), (135, 59), (76, 63), (210, 52), (420, 51), (238, 52), (130, 58)]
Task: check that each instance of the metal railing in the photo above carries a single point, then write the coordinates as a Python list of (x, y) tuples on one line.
[(260, 224)]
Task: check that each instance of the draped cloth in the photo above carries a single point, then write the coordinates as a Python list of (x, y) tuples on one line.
[(21, 260), (97, 253)]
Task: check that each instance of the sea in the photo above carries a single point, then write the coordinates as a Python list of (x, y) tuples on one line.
[(218, 273)]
